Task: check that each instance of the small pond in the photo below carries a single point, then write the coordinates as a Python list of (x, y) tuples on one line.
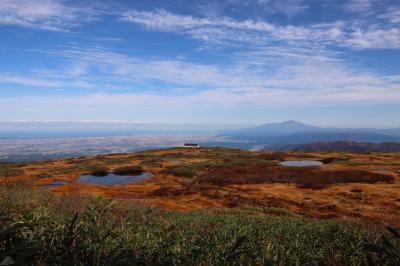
[(55, 183), (301, 163), (113, 179)]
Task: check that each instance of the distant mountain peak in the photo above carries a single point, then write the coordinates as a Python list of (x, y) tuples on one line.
[(290, 122), (276, 129), (285, 125)]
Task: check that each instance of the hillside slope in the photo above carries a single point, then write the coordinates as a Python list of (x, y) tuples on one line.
[(342, 146)]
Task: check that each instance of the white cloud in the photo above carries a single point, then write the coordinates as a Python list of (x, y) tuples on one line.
[(43, 14), (221, 29), (45, 81), (165, 20), (284, 75), (288, 7), (139, 105), (28, 81), (376, 38), (392, 15), (359, 5), (298, 67), (258, 78), (226, 30)]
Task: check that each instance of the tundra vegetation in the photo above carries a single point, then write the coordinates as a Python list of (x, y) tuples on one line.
[(10, 170), (238, 210)]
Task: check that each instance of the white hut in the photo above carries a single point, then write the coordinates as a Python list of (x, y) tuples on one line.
[(191, 145)]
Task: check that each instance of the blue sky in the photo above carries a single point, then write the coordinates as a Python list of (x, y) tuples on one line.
[(328, 63)]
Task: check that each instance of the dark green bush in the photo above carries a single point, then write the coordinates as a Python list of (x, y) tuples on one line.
[(10, 171), (99, 170), (16, 247), (129, 170), (279, 156), (387, 250), (41, 175), (186, 170), (334, 159)]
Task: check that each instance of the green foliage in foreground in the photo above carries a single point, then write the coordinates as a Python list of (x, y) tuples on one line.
[(388, 250), (38, 228)]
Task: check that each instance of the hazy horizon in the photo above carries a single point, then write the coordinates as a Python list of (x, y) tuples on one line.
[(183, 125)]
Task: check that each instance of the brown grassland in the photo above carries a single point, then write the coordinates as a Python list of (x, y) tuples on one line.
[(348, 186)]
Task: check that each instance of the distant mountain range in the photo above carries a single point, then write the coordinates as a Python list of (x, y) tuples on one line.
[(293, 133), (293, 127), (341, 146), (274, 129)]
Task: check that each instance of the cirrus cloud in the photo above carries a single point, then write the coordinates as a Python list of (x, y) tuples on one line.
[(227, 30), (54, 15)]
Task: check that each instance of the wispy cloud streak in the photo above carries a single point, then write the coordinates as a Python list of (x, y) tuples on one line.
[(54, 15), (225, 29)]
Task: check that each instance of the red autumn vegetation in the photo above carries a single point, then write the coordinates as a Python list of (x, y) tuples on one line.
[(304, 177)]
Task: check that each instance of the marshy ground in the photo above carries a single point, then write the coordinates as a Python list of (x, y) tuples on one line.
[(347, 186)]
